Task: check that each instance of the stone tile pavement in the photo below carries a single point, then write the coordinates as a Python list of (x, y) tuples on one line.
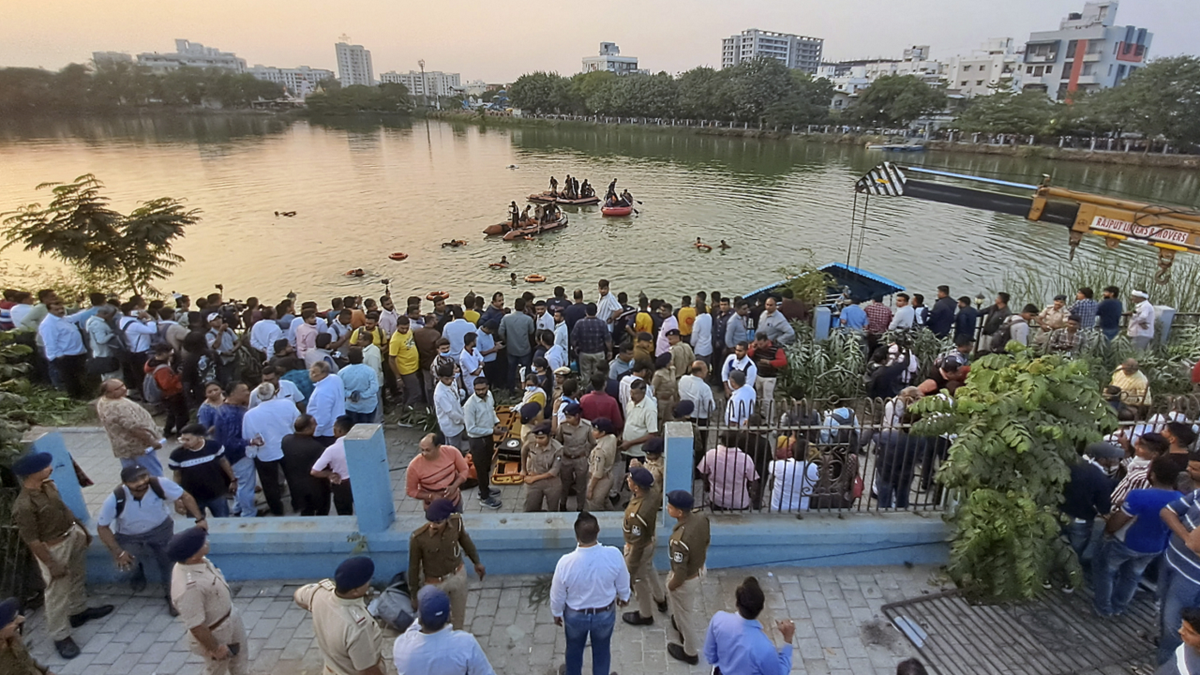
[(840, 629)]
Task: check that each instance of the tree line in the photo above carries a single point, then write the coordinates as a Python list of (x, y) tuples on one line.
[(110, 87), (334, 100)]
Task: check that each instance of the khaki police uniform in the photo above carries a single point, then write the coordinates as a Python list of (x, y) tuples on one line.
[(435, 559), (577, 443), (538, 460), (202, 597), (640, 519), (688, 549), (600, 464), (15, 660), (657, 467), (41, 515), (349, 638)]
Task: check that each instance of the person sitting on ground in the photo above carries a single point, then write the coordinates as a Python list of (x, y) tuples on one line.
[(1134, 385)]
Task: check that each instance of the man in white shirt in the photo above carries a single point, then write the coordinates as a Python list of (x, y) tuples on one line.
[(661, 344), (105, 342), (388, 316), (1141, 321), (137, 338), (448, 407), (739, 361), (589, 584), (905, 315), (607, 305), (64, 348), (284, 389), (457, 329), (542, 319), (702, 334), (265, 332), (263, 428), (694, 387), (430, 647), (332, 466), (741, 401), (561, 334), (792, 480), (556, 356), (327, 403), (470, 361)]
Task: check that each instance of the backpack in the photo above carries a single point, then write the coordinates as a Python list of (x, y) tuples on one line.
[(119, 493), (845, 433), (394, 605), (1002, 336), (159, 337), (151, 392)]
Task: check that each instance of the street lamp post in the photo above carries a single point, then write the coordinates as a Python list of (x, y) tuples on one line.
[(424, 84)]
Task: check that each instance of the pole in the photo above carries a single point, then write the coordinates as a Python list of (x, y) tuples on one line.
[(424, 84)]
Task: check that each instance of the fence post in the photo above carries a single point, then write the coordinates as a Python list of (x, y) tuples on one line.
[(678, 458), (370, 480)]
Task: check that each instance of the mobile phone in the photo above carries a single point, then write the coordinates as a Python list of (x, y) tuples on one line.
[(235, 648)]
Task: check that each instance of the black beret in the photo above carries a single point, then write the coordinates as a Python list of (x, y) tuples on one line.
[(641, 476), (684, 408), (654, 446), (8, 611), (439, 510), (353, 572), (32, 463), (603, 424), (542, 429), (529, 411), (681, 499), (185, 544)]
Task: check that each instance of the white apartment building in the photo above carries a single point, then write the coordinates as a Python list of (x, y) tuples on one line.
[(1087, 52), (354, 65), (299, 82), (851, 77), (794, 51), (433, 83), (995, 66), (194, 55), (475, 88), (610, 60)]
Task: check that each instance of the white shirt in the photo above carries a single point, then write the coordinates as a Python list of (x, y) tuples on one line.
[(387, 321), (449, 410), (903, 318), (139, 516), (137, 334), (588, 578), (793, 483), (19, 312), (744, 364), (702, 329), (470, 361), (334, 459), (640, 419), (374, 358), (625, 384), (322, 327), (272, 420), (455, 331), (60, 337), (445, 652), (696, 390), (557, 357), (560, 335), (740, 406), (263, 336), (284, 389), (544, 322), (662, 345), (327, 403), (1141, 323), (607, 307)]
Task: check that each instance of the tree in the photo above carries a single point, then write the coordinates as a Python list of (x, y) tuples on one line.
[(591, 93), (702, 94), (1162, 99), (807, 103), (754, 86), (1019, 423), (80, 229), (386, 98), (1027, 113), (895, 101), (540, 92)]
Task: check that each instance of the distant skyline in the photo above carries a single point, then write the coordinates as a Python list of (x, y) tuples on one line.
[(497, 42)]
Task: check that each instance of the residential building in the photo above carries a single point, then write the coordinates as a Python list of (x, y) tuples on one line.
[(794, 51), (299, 82), (995, 66), (100, 59), (354, 65), (475, 88), (194, 55), (433, 83), (851, 77), (610, 60), (1088, 52)]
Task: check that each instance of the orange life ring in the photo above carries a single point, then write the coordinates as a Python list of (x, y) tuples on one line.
[(528, 237), (398, 256), (497, 265), (534, 279), (355, 273), (434, 296), (703, 247)]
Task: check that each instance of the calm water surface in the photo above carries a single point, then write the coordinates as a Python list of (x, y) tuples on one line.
[(365, 191)]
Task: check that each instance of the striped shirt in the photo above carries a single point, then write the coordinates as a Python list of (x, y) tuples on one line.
[(435, 475), (1179, 556)]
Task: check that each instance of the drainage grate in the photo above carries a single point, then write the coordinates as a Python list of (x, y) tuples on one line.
[(1056, 634)]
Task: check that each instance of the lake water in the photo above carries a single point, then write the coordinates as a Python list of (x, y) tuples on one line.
[(362, 192)]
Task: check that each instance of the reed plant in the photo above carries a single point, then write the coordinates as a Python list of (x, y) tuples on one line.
[(1039, 284)]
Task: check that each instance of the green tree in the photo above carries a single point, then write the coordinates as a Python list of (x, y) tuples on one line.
[(1162, 99), (386, 98), (78, 228), (1027, 113), (591, 93), (754, 86), (702, 94), (807, 103), (540, 92), (1019, 423), (895, 101)]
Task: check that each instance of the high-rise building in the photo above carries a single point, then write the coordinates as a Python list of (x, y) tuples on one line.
[(432, 83), (794, 51), (610, 60), (1087, 52), (299, 82), (194, 55), (996, 66), (354, 65)]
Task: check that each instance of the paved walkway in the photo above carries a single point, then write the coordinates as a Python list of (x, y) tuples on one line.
[(840, 629)]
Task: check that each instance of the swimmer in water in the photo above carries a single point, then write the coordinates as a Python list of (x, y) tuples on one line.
[(724, 245)]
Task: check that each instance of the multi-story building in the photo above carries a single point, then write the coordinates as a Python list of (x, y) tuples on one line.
[(1087, 52), (794, 51), (610, 60), (299, 82), (475, 88), (432, 83), (995, 66), (851, 77), (194, 55), (354, 65)]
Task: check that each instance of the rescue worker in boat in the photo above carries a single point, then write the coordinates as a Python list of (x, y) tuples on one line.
[(515, 215), (566, 193), (611, 201), (626, 198), (525, 214), (575, 188), (537, 212), (553, 186), (612, 190), (586, 191)]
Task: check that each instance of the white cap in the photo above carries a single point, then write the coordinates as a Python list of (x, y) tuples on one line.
[(212, 316), (1140, 294)]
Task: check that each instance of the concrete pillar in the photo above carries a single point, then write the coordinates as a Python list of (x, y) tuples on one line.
[(370, 479), (822, 322), (64, 473), (678, 460)]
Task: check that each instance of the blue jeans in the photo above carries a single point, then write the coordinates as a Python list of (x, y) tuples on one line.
[(515, 363), (1178, 592), (362, 418), (1116, 571), (219, 508), (1085, 538), (578, 627), (1110, 333), (148, 461), (243, 469)]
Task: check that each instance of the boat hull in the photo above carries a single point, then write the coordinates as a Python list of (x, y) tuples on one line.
[(533, 231), (616, 211)]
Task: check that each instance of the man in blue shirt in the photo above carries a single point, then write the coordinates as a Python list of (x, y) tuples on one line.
[(1179, 580), (736, 644), (853, 317), (966, 319), (1108, 313), (1119, 564), (361, 389), (227, 430)]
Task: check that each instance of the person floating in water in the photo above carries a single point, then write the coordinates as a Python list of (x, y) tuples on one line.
[(553, 186), (500, 265), (723, 245)]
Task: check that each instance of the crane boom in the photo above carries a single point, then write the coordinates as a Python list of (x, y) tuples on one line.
[(1169, 229)]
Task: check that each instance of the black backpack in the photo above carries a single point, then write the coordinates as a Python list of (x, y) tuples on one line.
[(119, 493), (847, 432)]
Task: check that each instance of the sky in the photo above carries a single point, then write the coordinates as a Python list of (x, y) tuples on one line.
[(498, 41)]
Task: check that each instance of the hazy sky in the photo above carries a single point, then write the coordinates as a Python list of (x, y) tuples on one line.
[(497, 41)]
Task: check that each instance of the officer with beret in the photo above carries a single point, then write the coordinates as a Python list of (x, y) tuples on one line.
[(200, 593), (435, 553), (600, 464), (575, 435), (531, 415), (14, 659), (639, 549), (541, 461), (347, 634), (58, 541), (653, 462), (688, 549)]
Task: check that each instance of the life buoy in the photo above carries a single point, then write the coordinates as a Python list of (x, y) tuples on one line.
[(355, 273), (434, 296), (534, 279), (398, 256), (497, 265), (528, 237), (703, 247)]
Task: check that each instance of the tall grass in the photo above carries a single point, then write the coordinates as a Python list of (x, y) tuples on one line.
[(1039, 285)]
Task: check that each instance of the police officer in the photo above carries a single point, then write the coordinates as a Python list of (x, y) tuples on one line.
[(349, 638), (653, 462), (543, 462), (14, 658), (600, 464), (688, 549), (639, 549), (575, 434), (199, 592), (59, 543), (435, 553)]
